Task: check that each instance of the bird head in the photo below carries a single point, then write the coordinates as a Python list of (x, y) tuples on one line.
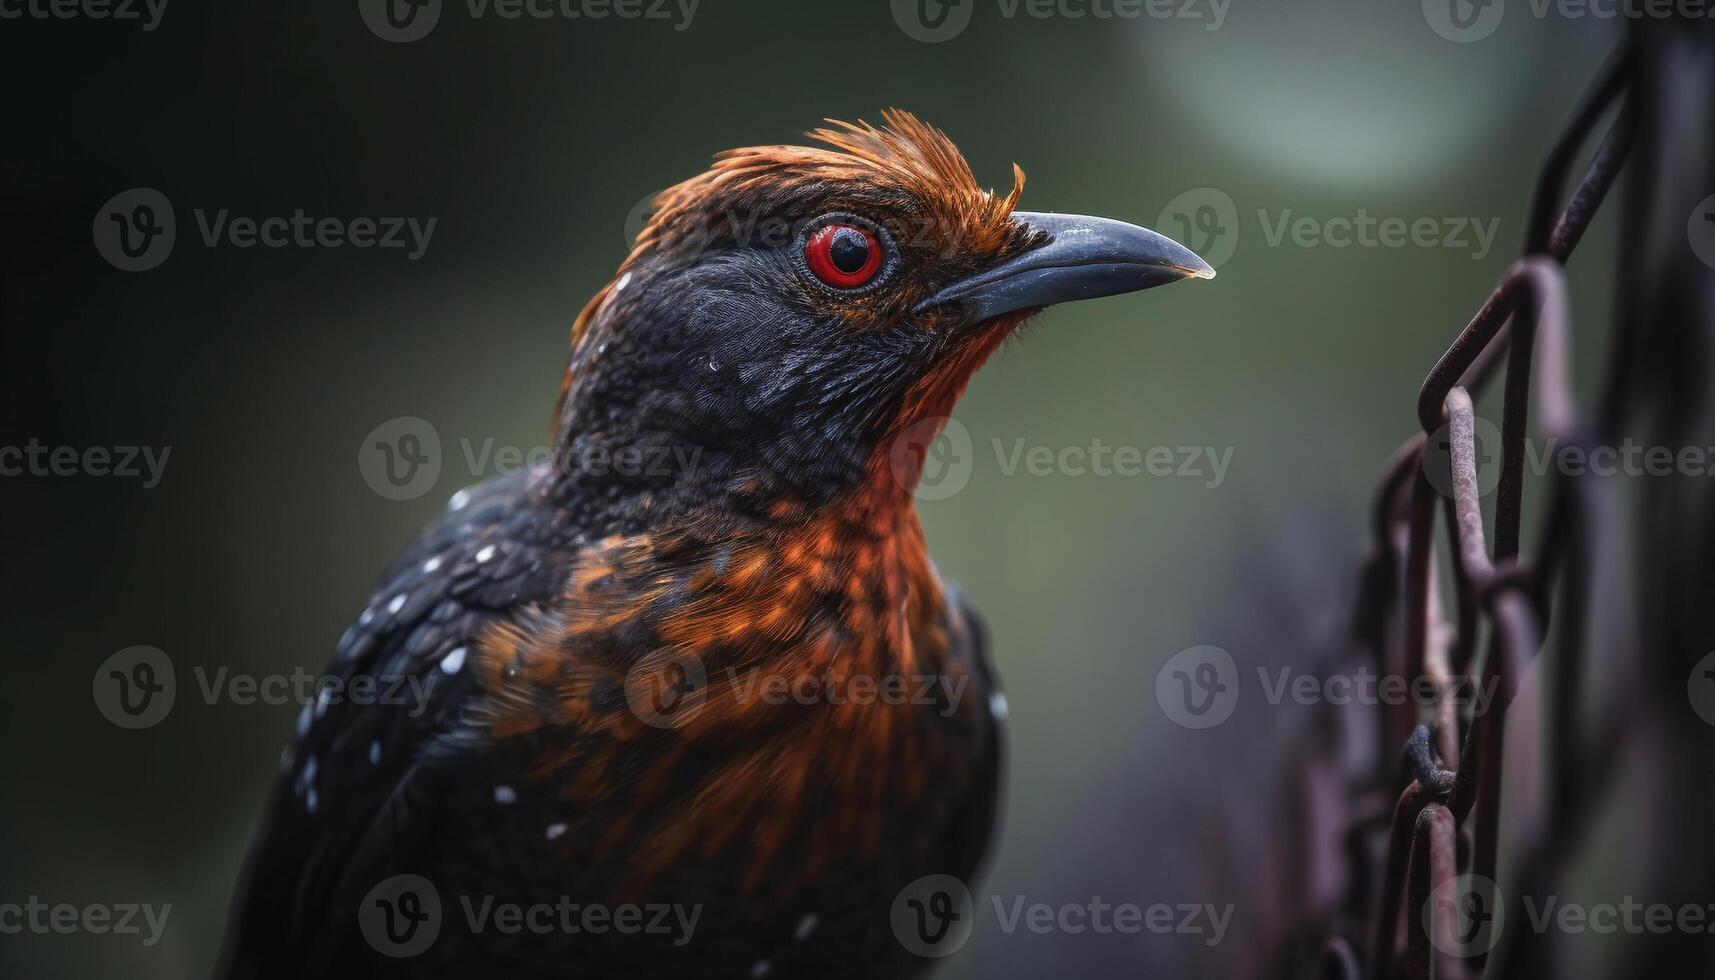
[(787, 315)]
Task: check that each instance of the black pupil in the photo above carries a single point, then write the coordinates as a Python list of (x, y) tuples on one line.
[(849, 250)]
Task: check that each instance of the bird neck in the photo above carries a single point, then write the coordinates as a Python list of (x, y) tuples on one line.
[(845, 590), (743, 568)]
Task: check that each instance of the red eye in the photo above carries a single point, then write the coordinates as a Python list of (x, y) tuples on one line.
[(843, 256)]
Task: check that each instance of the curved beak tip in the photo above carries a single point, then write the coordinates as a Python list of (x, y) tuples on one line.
[(1083, 258)]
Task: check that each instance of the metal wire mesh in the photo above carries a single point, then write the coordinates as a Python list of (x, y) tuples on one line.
[(1444, 830)]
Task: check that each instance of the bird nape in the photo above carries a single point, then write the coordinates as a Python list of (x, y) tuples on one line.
[(692, 700)]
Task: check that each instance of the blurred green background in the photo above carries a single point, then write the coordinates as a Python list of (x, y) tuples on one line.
[(533, 142)]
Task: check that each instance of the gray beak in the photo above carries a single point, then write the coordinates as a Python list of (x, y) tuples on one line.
[(1084, 258)]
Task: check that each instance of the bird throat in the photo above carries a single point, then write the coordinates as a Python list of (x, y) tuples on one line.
[(753, 582), (837, 590)]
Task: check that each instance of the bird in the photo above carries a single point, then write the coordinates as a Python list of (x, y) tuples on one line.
[(691, 699)]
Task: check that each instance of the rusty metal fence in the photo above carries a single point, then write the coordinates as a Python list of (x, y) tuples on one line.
[(1421, 878)]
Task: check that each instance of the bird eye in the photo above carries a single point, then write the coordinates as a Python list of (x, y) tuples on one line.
[(844, 256)]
